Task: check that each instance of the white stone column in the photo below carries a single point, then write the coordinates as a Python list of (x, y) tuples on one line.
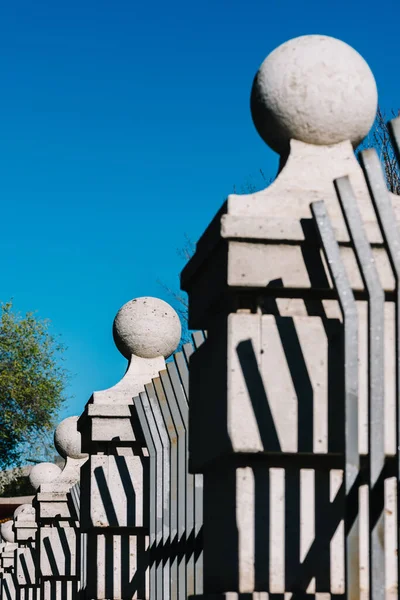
[(114, 492), (266, 388), (25, 528), (7, 561), (59, 537)]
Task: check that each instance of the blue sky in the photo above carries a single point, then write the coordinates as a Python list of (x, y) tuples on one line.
[(124, 124)]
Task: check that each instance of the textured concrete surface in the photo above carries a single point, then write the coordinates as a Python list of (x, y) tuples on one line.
[(274, 350), (6, 530), (315, 89), (67, 439), (26, 511), (147, 327), (43, 473)]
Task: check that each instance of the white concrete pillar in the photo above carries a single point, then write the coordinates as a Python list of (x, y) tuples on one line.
[(8, 547), (114, 497), (25, 528), (58, 539), (267, 386)]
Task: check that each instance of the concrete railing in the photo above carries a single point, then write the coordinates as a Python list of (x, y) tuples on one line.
[(264, 459)]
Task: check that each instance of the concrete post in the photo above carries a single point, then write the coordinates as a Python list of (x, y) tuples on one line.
[(8, 586), (25, 528), (114, 482), (267, 386), (58, 537)]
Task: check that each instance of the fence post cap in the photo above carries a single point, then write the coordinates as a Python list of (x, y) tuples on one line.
[(7, 532), (43, 473), (26, 511), (315, 89), (68, 440), (147, 327)]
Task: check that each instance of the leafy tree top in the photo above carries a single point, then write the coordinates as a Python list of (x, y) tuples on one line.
[(32, 383)]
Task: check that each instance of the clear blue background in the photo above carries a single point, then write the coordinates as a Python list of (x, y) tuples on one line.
[(124, 124)]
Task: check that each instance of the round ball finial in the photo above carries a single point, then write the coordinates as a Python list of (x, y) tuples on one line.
[(7, 532), (147, 327), (67, 439), (43, 473), (315, 89), (27, 510)]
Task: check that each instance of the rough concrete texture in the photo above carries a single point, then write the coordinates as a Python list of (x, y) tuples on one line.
[(278, 214), (7, 532), (43, 473), (282, 387), (315, 89), (147, 327), (139, 372), (67, 439), (63, 482), (26, 511)]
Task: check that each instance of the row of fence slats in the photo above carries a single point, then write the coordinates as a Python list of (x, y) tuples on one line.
[(376, 450), (187, 483), (154, 447), (352, 460), (76, 499), (376, 345), (170, 513), (175, 495), (175, 425), (164, 520), (198, 339), (391, 237)]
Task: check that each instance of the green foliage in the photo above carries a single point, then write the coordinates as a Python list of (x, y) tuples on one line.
[(32, 382), (15, 484)]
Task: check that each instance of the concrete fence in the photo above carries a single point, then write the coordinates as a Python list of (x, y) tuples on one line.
[(263, 459)]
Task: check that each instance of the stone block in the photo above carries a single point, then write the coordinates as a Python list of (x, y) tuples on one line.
[(58, 557), (116, 491)]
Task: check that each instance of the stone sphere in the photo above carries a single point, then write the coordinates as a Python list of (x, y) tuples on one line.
[(7, 532), (315, 89), (26, 511), (147, 327), (67, 439), (43, 473)]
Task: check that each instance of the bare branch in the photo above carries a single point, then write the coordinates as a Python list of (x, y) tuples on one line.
[(379, 139)]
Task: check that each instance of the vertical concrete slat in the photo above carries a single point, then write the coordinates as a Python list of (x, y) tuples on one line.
[(164, 521), (352, 459), (376, 443), (154, 446)]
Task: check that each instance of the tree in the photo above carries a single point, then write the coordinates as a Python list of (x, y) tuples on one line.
[(32, 383), (15, 482), (378, 138)]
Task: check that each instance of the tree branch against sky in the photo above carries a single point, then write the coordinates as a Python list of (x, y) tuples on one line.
[(379, 138), (32, 384)]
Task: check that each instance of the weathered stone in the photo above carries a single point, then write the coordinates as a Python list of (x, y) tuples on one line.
[(114, 505), (315, 89), (274, 489)]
